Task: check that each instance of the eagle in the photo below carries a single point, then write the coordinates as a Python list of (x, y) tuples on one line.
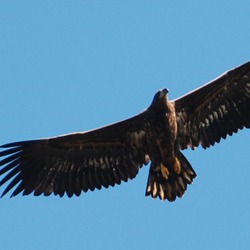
[(106, 156)]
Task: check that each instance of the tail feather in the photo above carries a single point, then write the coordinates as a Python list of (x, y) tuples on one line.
[(174, 185)]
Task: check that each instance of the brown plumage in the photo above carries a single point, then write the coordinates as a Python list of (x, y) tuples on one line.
[(106, 156)]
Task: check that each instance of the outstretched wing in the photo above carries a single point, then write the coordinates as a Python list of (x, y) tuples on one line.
[(216, 110), (76, 162)]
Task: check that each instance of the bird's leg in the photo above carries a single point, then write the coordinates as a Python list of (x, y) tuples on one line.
[(164, 171), (177, 166)]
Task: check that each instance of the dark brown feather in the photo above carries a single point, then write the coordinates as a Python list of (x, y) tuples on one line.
[(75, 162), (215, 110)]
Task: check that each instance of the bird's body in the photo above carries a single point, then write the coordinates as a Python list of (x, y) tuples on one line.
[(106, 156)]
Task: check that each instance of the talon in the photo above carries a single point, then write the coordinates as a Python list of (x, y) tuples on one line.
[(177, 166), (164, 171)]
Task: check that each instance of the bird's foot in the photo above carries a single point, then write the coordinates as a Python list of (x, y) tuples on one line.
[(164, 171), (177, 166)]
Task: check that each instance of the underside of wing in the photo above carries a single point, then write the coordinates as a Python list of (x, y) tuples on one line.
[(76, 162), (216, 110)]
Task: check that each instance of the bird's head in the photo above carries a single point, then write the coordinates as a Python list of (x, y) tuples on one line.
[(162, 93), (160, 99)]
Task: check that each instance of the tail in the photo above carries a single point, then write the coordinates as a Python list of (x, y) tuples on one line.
[(174, 185)]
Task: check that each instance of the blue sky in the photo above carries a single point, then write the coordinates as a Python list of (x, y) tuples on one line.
[(70, 66)]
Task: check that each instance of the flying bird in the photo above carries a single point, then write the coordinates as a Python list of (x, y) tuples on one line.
[(107, 156)]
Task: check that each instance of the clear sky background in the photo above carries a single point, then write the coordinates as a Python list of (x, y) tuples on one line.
[(68, 66)]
